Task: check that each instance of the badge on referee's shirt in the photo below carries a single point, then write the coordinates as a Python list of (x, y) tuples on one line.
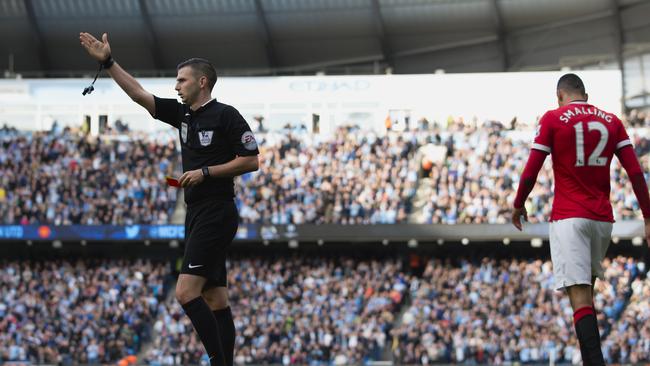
[(205, 137), (184, 132)]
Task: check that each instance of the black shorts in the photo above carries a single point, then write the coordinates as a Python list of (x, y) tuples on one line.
[(210, 227)]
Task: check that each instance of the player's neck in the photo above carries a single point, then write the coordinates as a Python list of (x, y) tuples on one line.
[(200, 102), (575, 99)]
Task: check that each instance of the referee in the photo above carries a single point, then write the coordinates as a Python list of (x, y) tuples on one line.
[(217, 144)]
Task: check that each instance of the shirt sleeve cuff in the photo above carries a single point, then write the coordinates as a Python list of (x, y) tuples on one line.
[(542, 147), (623, 144)]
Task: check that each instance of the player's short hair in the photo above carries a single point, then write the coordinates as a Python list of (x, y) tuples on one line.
[(571, 83), (201, 67)]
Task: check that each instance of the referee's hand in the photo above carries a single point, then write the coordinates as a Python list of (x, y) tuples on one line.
[(191, 178), (99, 50), (517, 213)]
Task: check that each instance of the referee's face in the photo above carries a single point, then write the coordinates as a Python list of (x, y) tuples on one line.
[(187, 85)]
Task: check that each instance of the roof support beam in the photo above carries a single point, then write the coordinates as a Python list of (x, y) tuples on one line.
[(156, 53), (41, 46), (263, 27), (619, 41), (564, 23), (446, 46), (574, 20), (380, 28), (501, 33)]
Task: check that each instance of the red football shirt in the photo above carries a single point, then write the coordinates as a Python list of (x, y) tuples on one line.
[(582, 140)]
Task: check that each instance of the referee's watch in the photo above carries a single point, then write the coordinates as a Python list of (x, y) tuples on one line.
[(205, 171)]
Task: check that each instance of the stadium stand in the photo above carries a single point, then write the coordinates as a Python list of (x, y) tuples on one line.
[(306, 310), (629, 340), (65, 177), (319, 310), (497, 312), (354, 177), (297, 311), (77, 312), (477, 179)]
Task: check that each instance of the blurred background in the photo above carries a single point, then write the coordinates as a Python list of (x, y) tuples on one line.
[(377, 231)]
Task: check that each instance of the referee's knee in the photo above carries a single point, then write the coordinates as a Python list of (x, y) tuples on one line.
[(216, 297), (185, 294)]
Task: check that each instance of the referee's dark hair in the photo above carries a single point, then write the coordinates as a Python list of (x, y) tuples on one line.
[(572, 84), (201, 67)]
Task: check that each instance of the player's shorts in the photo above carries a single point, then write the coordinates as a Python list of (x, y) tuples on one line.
[(578, 247), (210, 227)]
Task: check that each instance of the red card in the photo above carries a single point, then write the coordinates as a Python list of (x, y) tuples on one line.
[(172, 181)]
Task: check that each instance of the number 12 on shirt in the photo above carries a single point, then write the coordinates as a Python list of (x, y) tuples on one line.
[(594, 159)]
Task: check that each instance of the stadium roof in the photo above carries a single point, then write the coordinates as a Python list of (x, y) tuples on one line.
[(267, 37)]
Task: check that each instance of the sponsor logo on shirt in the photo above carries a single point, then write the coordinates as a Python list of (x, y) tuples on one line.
[(248, 140)]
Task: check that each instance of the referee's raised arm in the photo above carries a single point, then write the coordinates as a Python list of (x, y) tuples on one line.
[(101, 51)]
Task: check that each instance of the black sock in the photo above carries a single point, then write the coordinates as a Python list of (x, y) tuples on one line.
[(207, 328), (227, 333), (588, 336)]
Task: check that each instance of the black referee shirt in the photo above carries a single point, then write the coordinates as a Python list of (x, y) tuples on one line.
[(214, 134)]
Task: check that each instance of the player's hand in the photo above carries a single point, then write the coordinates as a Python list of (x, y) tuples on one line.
[(191, 178), (517, 213), (96, 49), (647, 231)]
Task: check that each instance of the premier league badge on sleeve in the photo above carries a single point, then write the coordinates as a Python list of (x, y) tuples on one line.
[(184, 132), (205, 137)]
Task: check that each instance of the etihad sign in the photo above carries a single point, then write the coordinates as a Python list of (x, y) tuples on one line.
[(329, 86)]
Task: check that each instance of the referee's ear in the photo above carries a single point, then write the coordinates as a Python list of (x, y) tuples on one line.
[(203, 82)]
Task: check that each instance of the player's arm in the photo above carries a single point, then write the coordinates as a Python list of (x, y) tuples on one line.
[(101, 51), (626, 155), (542, 146), (236, 167), (526, 184)]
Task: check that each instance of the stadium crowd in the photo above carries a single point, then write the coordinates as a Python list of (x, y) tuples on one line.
[(637, 118), (503, 311), (77, 312), (319, 311), (314, 311), (65, 177), (352, 177), (629, 340), (476, 179)]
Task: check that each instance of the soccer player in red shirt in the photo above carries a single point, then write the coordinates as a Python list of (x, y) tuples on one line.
[(582, 140)]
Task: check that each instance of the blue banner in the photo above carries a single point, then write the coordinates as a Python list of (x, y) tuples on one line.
[(106, 232), (465, 233)]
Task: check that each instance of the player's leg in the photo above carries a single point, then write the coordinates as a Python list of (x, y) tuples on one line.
[(196, 271), (601, 237), (188, 294), (217, 299), (571, 256), (586, 324), (215, 291)]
